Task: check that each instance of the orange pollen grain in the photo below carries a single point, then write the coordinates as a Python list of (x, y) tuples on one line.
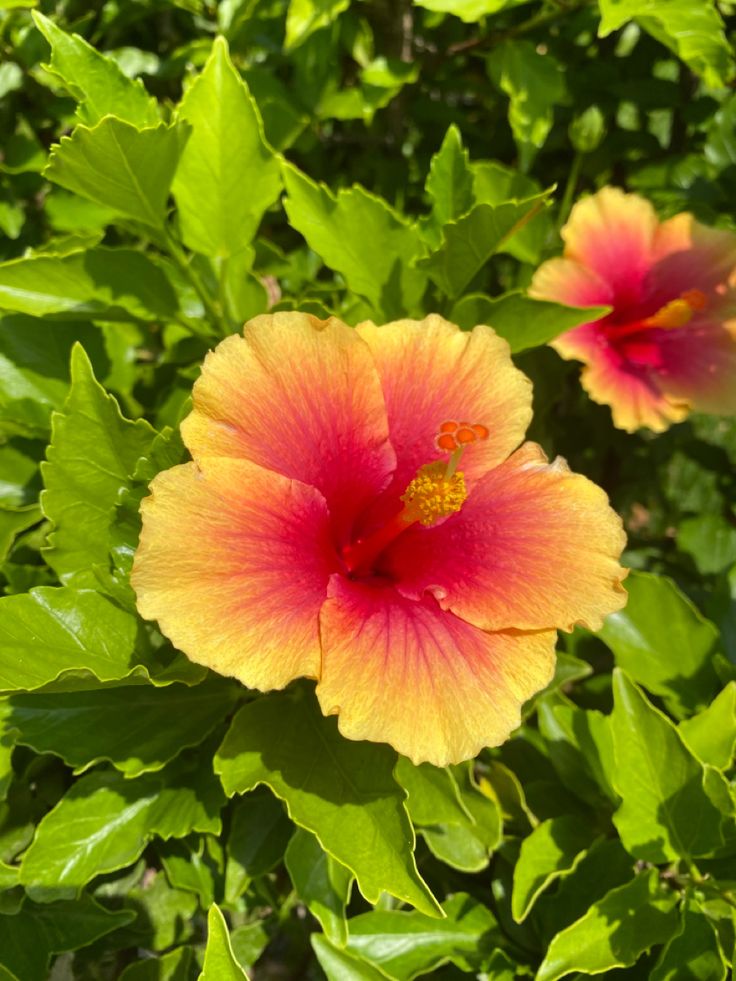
[(446, 441), (453, 435)]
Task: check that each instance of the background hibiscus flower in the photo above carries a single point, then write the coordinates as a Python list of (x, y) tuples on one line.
[(669, 343)]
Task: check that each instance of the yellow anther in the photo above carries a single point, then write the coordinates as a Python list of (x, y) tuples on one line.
[(433, 494)]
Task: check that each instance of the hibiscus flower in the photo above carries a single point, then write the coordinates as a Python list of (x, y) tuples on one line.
[(357, 512), (669, 343)]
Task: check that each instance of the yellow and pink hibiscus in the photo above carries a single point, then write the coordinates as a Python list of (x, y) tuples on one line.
[(324, 530), (669, 343)]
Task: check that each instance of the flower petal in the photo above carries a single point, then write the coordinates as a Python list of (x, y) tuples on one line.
[(407, 673), (688, 255), (569, 282), (535, 547), (566, 281), (302, 397), (234, 563), (697, 365), (432, 372), (633, 393), (613, 234)]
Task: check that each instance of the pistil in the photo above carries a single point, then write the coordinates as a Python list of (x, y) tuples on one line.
[(437, 491)]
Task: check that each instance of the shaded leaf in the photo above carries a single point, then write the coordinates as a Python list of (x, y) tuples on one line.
[(660, 783), (121, 725), (664, 643), (550, 852), (322, 883), (432, 794), (580, 745), (259, 834), (28, 939)]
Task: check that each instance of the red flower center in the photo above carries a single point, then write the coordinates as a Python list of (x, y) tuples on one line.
[(437, 491)]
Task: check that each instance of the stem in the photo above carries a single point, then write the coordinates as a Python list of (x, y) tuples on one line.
[(180, 258), (570, 188)]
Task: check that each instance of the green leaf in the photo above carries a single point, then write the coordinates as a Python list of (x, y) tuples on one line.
[(54, 633), (467, 825), (616, 930), (664, 643), (660, 783), (95, 80), (322, 883), (12, 522), (174, 966), (494, 183), (469, 242), (711, 734), (338, 965), (405, 944), (304, 17), (29, 938), (432, 794), (108, 284), (360, 236), (342, 791), (534, 82), (35, 370), (91, 458), (259, 834), (694, 953), (450, 180), (469, 11), (552, 851), (164, 915), (248, 943), (521, 320), (226, 154), (85, 728), (219, 960), (695, 32), (605, 866), (104, 822), (189, 867), (580, 746), (121, 167), (711, 541)]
